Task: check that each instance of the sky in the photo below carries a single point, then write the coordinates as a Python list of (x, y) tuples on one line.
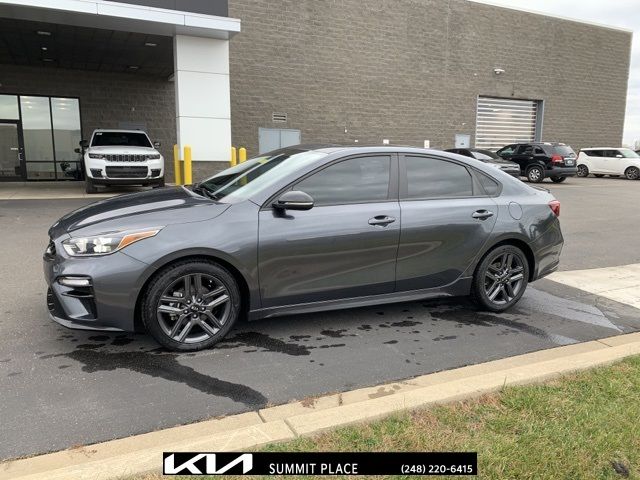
[(615, 13)]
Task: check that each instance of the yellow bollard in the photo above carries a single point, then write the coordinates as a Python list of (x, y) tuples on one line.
[(177, 167), (242, 154), (188, 177), (234, 156)]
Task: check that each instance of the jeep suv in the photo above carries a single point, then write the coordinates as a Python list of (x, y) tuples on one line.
[(121, 157), (541, 160)]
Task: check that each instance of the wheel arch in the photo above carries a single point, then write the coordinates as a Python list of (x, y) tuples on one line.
[(516, 242), (246, 290)]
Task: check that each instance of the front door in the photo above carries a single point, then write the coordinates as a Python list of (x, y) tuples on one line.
[(11, 151), (344, 247)]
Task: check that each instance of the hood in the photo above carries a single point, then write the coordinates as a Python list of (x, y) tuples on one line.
[(154, 208), (120, 149), (503, 162)]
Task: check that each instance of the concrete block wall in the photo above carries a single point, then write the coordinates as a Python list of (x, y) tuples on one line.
[(411, 70)]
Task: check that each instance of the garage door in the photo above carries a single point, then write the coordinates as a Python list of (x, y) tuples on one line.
[(501, 121)]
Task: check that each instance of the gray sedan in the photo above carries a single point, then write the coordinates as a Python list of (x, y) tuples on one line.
[(298, 230)]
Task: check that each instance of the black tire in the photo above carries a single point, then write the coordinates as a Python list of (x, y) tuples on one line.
[(89, 187), (598, 175), (558, 179), (632, 173), (583, 171), (160, 184), (535, 174), (482, 287), (189, 308)]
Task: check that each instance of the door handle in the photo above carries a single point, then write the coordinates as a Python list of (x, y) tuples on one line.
[(482, 214), (381, 220)]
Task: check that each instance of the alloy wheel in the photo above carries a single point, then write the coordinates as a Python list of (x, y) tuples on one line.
[(504, 278), (194, 308), (535, 174), (583, 171), (632, 173)]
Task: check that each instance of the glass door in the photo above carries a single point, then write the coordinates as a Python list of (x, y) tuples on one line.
[(11, 151)]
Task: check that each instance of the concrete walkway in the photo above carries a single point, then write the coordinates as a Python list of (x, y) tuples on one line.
[(57, 190)]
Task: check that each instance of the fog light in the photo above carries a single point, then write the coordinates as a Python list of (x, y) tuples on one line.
[(96, 172), (74, 281), (155, 172)]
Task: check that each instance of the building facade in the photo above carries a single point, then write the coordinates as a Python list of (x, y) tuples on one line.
[(411, 72)]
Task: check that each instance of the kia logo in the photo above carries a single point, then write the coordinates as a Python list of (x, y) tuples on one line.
[(206, 463)]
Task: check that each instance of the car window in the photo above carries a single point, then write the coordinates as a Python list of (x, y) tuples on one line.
[(610, 153), (508, 150), (525, 150), (433, 178), (628, 153), (358, 180), (488, 153), (564, 150), (538, 151), (120, 139), (592, 153), (489, 184)]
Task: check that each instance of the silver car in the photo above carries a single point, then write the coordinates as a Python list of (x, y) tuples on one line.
[(298, 230)]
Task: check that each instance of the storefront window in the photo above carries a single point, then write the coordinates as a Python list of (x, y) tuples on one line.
[(9, 107), (36, 128), (65, 113)]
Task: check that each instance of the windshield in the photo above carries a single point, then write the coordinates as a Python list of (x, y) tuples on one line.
[(124, 139), (564, 150), (628, 153), (484, 155), (244, 180)]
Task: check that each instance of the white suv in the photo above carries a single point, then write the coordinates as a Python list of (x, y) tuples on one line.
[(121, 157), (609, 161)]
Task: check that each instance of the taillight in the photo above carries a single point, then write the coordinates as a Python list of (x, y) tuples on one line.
[(557, 159), (554, 205)]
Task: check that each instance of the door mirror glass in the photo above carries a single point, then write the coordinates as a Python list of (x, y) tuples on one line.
[(294, 200), (84, 143), (157, 144)]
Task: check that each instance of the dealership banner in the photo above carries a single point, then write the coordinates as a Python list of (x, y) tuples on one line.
[(301, 463)]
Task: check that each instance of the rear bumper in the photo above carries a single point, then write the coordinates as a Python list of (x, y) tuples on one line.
[(561, 172)]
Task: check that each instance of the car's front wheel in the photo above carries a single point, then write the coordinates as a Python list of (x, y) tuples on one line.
[(558, 179), (535, 174), (583, 171), (500, 279), (632, 173), (191, 305), (89, 186)]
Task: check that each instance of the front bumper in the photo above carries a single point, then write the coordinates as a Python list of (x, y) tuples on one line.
[(108, 304), (128, 181)]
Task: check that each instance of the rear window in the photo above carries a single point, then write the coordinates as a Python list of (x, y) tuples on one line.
[(120, 139), (564, 150)]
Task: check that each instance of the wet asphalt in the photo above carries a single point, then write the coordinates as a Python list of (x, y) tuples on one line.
[(61, 388)]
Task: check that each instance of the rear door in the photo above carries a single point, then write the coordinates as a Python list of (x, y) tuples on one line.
[(523, 156), (446, 220), (345, 246), (595, 161)]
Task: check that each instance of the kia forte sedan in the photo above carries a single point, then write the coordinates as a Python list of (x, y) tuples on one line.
[(297, 230)]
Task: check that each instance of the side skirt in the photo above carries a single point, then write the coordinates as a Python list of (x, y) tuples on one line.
[(459, 288)]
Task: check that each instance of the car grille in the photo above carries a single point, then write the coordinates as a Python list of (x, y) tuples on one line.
[(130, 157), (126, 172)]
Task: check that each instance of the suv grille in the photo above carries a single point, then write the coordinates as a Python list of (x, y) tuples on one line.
[(126, 172), (130, 157)]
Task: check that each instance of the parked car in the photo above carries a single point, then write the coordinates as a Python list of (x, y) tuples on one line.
[(490, 158), (609, 161), (540, 160), (121, 157), (297, 230)]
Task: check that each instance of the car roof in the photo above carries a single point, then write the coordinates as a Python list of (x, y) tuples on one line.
[(606, 148), (347, 149)]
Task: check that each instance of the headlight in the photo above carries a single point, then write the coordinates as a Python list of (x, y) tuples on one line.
[(97, 156), (153, 156), (105, 244)]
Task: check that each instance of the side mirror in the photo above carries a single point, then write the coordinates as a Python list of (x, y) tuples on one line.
[(84, 143), (77, 150), (157, 144), (619, 156), (294, 200)]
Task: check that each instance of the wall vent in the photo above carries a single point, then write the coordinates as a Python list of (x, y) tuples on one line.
[(279, 117)]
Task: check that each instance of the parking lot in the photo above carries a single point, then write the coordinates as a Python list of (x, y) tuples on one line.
[(62, 388)]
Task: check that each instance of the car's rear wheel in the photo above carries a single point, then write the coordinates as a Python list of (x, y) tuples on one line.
[(500, 279), (598, 175), (535, 174), (89, 186), (632, 173), (558, 179), (583, 171), (191, 305)]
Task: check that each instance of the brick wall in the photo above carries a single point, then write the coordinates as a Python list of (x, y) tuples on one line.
[(411, 70), (105, 99)]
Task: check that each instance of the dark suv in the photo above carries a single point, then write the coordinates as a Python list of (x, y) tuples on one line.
[(541, 160)]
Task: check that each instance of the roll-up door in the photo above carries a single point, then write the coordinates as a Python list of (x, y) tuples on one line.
[(501, 121)]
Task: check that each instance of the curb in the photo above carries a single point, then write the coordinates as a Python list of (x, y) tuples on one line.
[(143, 453)]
